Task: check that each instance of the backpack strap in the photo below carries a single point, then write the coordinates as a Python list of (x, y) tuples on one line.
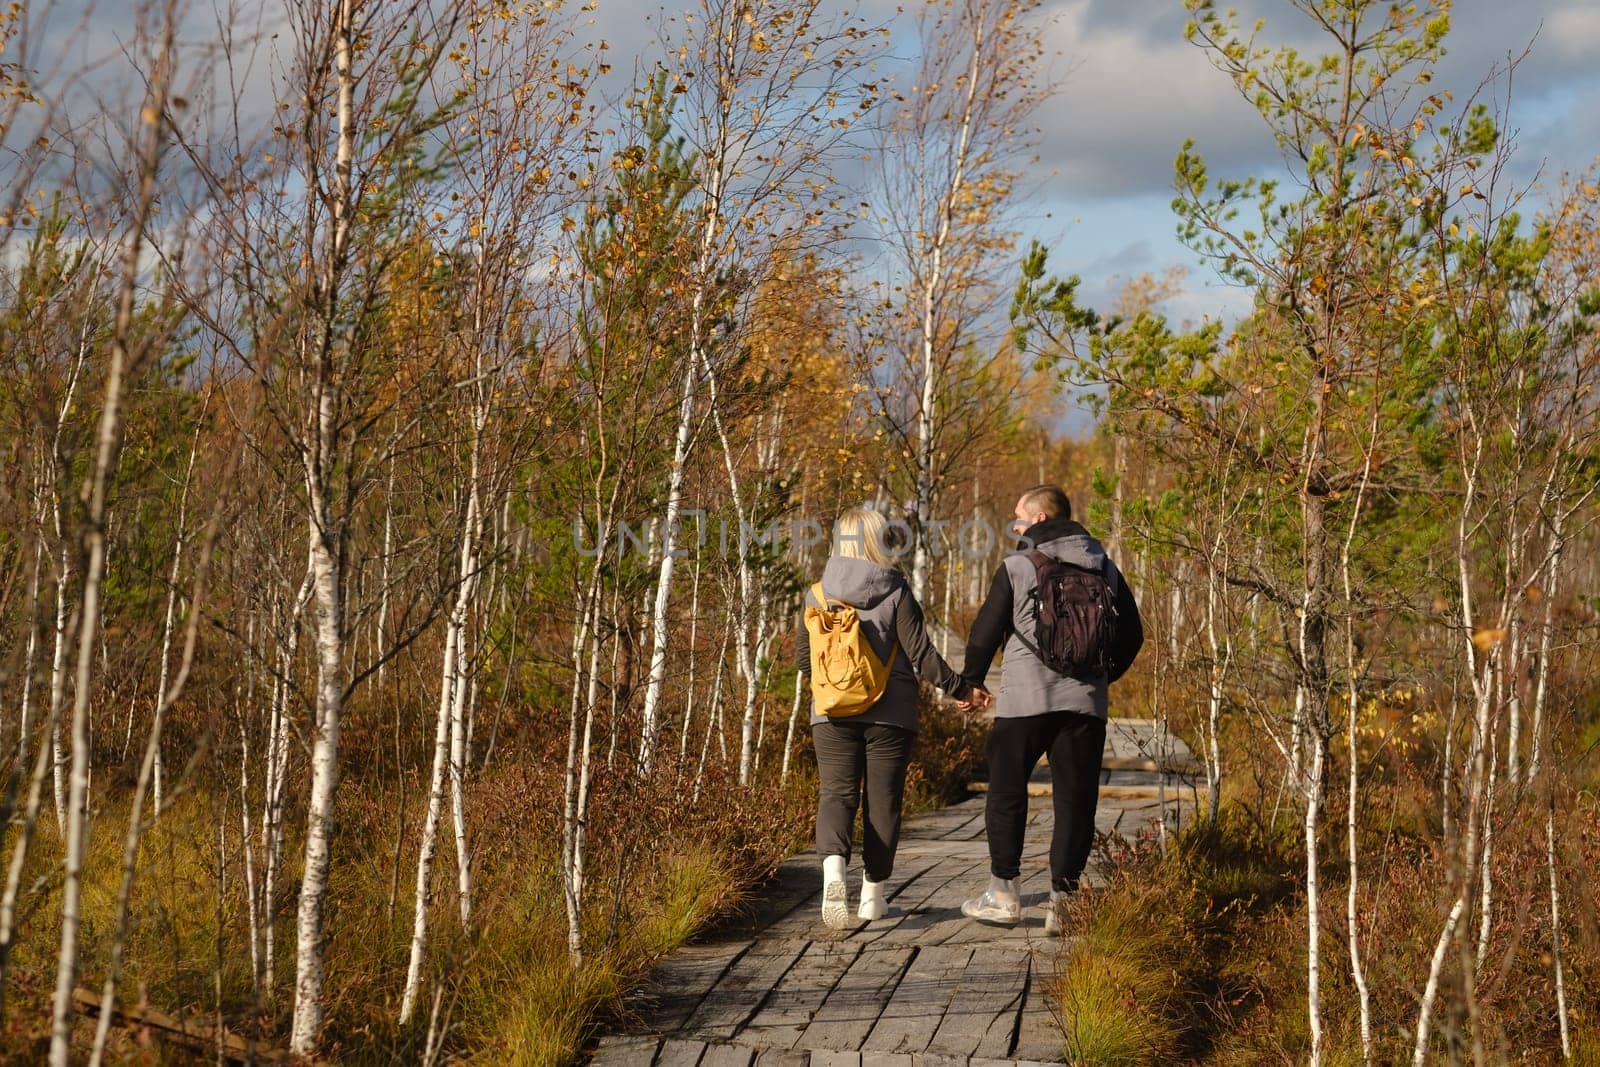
[(1039, 561)]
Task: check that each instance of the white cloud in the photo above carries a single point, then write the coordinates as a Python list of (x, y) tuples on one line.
[(1134, 89)]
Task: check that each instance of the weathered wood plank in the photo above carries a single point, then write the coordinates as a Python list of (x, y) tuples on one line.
[(986, 1003), (853, 1006), (826, 1058), (925, 987), (915, 1009), (677, 986), (741, 990), (678, 1052), (806, 921), (1039, 1035), (941, 905), (719, 1055), (793, 1004), (626, 1050)]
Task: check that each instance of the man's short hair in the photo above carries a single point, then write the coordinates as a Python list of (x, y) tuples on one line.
[(1050, 499)]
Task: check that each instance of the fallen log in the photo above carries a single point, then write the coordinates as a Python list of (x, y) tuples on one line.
[(198, 1037), (1175, 793)]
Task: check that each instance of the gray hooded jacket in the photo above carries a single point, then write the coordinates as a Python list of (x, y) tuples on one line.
[(1028, 687), (891, 618)]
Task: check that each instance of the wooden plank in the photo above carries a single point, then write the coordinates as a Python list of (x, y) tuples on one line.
[(678, 1052), (941, 907), (990, 992), (828, 1058), (626, 1050), (1042, 789), (1039, 1035), (719, 1055), (1174, 765), (677, 986), (852, 1007), (918, 900), (794, 1002), (739, 993), (774, 1057), (914, 1011), (806, 921)]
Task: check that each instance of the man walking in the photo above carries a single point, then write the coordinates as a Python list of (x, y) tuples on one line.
[(1051, 699)]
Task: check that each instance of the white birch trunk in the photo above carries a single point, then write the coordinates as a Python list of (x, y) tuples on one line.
[(1431, 990), (1555, 928), (327, 562), (794, 717), (25, 705), (1221, 656), (1541, 685), (688, 695), (1486, 862), (252, 890), (650, 726), (580, 731), (932, 305), (459, 754), (130, 847), (713, 716), (430, 831), (1313, 799), (275, 778), (171, 609), (381, 626), (309, 928), (107, 440), (1483, 696), (58, 685)]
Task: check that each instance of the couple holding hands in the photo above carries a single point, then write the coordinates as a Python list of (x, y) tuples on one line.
[(1068, 627)]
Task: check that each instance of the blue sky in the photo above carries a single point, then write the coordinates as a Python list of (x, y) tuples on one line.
[(1134, 89), (1131, 89)]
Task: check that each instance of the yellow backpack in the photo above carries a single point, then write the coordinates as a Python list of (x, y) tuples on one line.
[(846, 677)]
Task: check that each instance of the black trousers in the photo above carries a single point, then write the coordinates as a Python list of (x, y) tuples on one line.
[(1076, 744), (849, 753)]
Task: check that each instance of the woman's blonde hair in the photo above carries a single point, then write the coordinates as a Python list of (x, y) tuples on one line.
[(860, 534)]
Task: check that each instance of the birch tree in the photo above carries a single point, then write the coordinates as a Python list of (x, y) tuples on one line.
[(363, 72), (513, 141), (768, 89), (954, 144), (126, 353)]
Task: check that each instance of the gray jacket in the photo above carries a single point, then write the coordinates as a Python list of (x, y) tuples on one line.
[(891, 618), (1027, 687)]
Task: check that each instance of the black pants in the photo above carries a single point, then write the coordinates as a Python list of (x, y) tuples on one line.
[(1076, 744), (848, 753)]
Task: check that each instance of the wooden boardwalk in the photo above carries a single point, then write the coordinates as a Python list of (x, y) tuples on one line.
[(925, 985)]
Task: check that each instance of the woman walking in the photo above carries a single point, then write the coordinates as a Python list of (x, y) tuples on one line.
[(862, 645)]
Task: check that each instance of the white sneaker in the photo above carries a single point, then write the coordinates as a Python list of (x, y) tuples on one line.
[(1052, 913), (1000, 903), (835, 897), (873, 906)]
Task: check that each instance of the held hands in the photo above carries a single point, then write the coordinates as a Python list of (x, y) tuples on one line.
[(980, 699)]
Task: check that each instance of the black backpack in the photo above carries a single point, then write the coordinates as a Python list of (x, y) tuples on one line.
[(1076, 609)]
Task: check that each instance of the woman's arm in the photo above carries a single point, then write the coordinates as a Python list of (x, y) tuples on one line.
[(925, 660)]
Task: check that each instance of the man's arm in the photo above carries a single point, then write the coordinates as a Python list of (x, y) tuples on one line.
[(1130, 631), (990, 629)]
